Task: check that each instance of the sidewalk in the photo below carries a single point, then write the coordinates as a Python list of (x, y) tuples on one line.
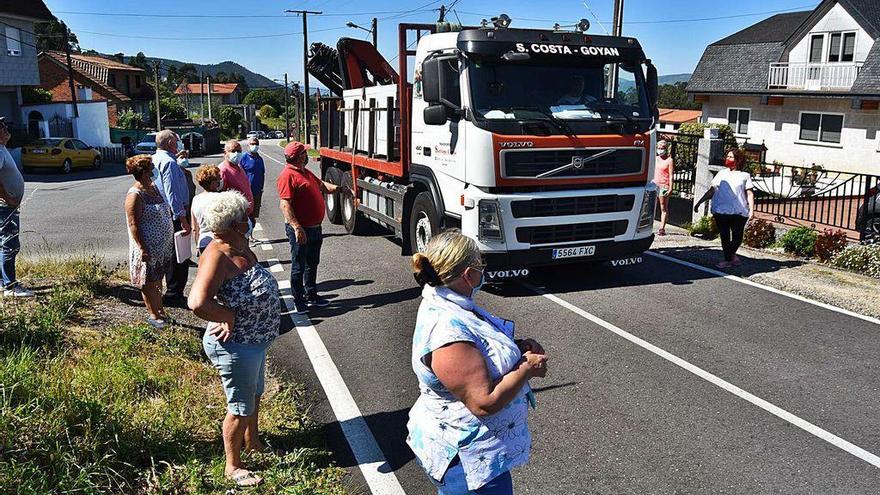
[(809, 279)]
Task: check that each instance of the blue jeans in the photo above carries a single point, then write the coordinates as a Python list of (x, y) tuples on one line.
[(304, 262), (242, 369), (454, 484), (9, 245)]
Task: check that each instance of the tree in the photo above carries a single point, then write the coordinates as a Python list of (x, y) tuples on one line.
[(50, 36), (229, 121), (34, 95), (261, 97), (119, 57), (675, 96), (268, 112), (188, 73), (130, 119)]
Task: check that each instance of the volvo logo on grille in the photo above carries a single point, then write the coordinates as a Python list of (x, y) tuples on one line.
[(577, 162)]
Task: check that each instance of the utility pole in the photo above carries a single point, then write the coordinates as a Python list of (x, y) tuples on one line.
[(210, 113), (70, 73), (202, 94), (305, 114), (158, 110), (616, 30), (286, 111), (375, 29)]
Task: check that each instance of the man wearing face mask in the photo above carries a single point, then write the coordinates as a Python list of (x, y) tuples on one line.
[(253, 166), (172, 184), (234, 177)]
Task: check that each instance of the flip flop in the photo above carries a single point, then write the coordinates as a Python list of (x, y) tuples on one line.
[(244, 478)]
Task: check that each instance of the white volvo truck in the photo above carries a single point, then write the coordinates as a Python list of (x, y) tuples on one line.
[(538, 144)]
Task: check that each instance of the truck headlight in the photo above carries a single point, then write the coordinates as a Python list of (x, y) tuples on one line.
[(646, 214), (490, 221)]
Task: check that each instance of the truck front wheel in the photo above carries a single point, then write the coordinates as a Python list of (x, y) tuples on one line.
[(423, 222), (333, 200)]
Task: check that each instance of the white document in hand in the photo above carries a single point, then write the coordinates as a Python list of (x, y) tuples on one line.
[(182, 246)]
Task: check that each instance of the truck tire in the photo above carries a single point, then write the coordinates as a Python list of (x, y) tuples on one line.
[(353, 220), (334, 211), (423, 222)]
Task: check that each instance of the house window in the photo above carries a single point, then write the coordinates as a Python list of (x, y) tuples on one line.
[(816, 42), (821, 127), (111, 80), (738, 119), (841, 47), (127, 83), (137, 82), (13, 41)]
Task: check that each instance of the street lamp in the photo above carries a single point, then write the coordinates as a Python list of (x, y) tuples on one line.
[(373, 31)]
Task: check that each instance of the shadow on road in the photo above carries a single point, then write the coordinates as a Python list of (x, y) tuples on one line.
[(709, 257), (389, 428), (49, 175), (372, 301)]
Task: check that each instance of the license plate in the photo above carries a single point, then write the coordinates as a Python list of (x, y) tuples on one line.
[(38, 152), (573, 252)]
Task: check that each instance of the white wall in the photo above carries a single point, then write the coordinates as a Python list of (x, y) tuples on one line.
[(778, 127), (837, 19), (93, 125)]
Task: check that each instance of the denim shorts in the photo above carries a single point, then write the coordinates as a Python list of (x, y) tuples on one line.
[(454, 483), (242, 369)]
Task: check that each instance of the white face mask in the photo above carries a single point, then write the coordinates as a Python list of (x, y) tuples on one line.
[(254, 148), (234, 157)]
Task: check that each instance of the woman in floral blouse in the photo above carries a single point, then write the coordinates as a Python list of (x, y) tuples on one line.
[(469, 426)]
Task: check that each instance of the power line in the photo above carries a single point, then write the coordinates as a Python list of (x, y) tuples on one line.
[(204, 38), (225, 16), (662, 21)]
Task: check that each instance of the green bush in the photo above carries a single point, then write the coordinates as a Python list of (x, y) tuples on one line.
[(704, 227), (800, 241), (698, 128), (130, 119), (268, 112), (759, 234), (864, 259), (829, 243)]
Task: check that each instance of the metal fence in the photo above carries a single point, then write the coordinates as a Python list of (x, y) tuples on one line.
[(818, 197), (684, 149)]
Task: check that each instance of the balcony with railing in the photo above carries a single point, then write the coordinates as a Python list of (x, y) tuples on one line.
[(813, 76)]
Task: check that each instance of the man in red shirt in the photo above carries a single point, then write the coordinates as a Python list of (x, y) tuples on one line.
[(234, 177), (302, 204)]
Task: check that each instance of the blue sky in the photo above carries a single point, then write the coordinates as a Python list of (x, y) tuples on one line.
[(674, 46)]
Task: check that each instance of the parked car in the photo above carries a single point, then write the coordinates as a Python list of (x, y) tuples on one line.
[(868, 216), (279, 134), (253, 134), (147, 146), (194, 143), (62, 153)]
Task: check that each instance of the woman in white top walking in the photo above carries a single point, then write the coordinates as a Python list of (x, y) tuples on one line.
[(469, 426), (733, 203)]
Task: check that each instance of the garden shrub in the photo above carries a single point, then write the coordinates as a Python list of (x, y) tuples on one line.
[(864, 259), (800, 241), (759, 234), (829, 243), (704, 227)]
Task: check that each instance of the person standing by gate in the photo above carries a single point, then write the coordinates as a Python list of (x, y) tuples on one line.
[(302, 204), (663, 170), (733, 202)]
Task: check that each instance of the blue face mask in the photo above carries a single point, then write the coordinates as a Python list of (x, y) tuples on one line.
[(479, 285), (183, 163), (234, 157)]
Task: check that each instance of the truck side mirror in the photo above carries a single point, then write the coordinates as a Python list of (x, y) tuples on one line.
[(440, 78), (436, 114), (653, 90), (431, 81)]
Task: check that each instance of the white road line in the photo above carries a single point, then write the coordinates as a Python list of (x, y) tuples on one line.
[(279, 162), (765, 287), (381, 480), (258, 227), (275, 265), (265, 246), (763, 404)]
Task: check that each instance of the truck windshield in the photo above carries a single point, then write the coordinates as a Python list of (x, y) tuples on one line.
[(564, 94)]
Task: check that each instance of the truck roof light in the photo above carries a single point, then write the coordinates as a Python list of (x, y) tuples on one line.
[(502, 21), (583, 25)]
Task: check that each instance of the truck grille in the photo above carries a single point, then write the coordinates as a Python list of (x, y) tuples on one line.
[(531, 163), (552, 234), (584, 205)]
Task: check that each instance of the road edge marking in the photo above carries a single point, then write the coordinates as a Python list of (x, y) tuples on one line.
[(777, 411), (735, 278), (361, 441)]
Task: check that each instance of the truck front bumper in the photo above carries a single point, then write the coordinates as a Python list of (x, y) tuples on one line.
[(517, 264)]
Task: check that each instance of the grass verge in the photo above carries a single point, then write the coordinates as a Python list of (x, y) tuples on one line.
[(91, 407)]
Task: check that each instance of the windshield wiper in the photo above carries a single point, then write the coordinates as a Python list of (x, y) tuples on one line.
[(560, 124)]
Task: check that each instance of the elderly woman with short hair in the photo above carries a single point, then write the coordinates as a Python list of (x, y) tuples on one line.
[(240, 298), (150, 236)]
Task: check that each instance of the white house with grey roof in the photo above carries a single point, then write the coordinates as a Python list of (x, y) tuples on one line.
[(806, 84)]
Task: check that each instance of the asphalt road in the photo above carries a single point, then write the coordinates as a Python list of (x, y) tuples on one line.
[(663, 378)]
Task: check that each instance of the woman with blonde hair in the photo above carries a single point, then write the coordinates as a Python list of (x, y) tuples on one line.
[(150, 236), (208, 176), (468, 428), (240, 299)]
